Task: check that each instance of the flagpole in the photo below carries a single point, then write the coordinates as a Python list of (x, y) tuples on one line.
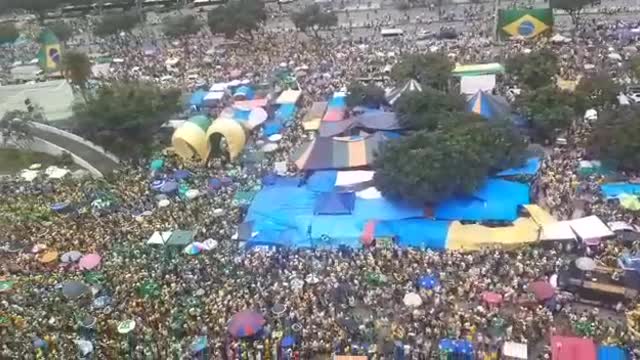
[(496, 5)]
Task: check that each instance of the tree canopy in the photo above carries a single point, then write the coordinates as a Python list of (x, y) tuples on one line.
[(237, 18), (431, 69), (615, 138), (534, 70), (428, 109), (180, 25), (459, 157), (315, 18), (76, 67), (596, 91), (112, 24), (124, 116), (371, 95), (572, 7), (549, 109), (14, 125), (61, 29), (8, 33)]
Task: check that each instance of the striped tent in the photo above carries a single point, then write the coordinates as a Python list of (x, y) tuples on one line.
[(338, 153), (394, 94)]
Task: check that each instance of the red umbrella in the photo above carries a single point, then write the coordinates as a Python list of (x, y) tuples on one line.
[(542, 290), (491, 298), (89, 261)]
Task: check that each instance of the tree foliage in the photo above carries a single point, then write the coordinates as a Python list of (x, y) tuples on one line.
[(181, 25), (8, 33), (371, 95), (549, 109), (459, 159), (76, 67), (237, 18), (615, 138), (124, 116), (534, 70), (62, 30), (596, 91), (427, 109), (432, 69), (14, 125), (112, 24), (572, 7), (315, 18)]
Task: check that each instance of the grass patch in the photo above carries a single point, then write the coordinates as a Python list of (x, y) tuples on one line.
[(14, 160)]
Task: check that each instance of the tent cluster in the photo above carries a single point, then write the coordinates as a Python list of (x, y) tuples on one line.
[(200, 136)]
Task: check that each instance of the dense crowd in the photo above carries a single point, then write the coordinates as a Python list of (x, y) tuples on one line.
[(329, 301)]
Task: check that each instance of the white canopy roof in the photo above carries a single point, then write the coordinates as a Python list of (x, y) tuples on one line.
[(590, 228), (215, 95), (159, 238), (560, 230), (346, 178), (622, 226)]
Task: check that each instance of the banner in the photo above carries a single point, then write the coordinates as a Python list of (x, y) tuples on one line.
[(524, 23), (49, 56)]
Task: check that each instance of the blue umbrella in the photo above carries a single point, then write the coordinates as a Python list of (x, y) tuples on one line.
[(181, 174), (199, 344), (169, 187), (59, 207), (246, 323), (215, 184), (428, 282), (157, 184), (288, 341)]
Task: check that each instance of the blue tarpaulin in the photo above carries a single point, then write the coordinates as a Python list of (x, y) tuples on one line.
[(322, 181), (611, 353), (613, 190), (530, 167), (285, 113), (197, 98), (244, 91), (337, 102), (417, 233), (241, 115), (332, 203), (271, 128), (496, 200)]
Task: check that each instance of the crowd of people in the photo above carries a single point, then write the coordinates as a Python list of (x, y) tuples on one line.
[(329, 301)]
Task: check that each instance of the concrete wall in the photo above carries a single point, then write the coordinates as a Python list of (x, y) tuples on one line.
[(76, 138)]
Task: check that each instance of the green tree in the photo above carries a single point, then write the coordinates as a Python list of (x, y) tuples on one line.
[(315, 18), (427, 109), (614, 138), (123, 117), (76, 68), (62, 30), (371, 95), (549, 110), (535, 70), (596, 91), (14, 126), (237, 18), (181, 25), (459, 159), (113, 24), (432, 69), (8, 33), (572, 7)]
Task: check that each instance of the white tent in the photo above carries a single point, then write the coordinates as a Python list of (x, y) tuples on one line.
[(394, 94), (557, 38), (560, 230), (590, 229), (159, 238)]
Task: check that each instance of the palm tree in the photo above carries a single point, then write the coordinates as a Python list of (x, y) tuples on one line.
[(14, 126), (76, 67)]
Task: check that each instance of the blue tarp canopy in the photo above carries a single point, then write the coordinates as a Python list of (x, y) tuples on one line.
[(322, 180), (197, 98), (496, 200), (332, 203), (530, 167), (416, 233), (337, 102), (241, 115), (244, 91), (611, 353), (285, 113), (271, 128), (613, 190)]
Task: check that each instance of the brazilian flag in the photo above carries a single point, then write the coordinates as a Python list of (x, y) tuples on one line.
[(524, 23), (50, 54)]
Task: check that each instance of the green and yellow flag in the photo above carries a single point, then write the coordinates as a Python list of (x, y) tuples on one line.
[(50, 54), (524, 23)]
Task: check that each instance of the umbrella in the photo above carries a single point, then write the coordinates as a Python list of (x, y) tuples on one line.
[(226, 181), (275, 137), (59, 207), (157, 164), (199, 344), (74, 289), (90, 261), (412, 300), (246, 323), (157, 184), (585, 264), (169, 187), (164, 203), (542, 290), (278, 309), (181, 174), (428, 282), (192, 194), (288, 341), (215, 184), (491, 298), (71, 256), (49, 257), (192, 249), (126, 326)]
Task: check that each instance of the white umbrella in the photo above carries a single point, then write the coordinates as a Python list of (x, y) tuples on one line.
[(256, 117), (585, 264), (615, 56), (412, 300)]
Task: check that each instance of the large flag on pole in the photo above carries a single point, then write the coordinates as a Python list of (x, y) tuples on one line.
[(524, 23), (50, 54)]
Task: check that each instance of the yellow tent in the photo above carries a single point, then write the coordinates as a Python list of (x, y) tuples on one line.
[(475, 237), (190, 139), (232, 131)]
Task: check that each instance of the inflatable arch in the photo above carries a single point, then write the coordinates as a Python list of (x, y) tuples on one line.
[(232, 131), (199, 136)]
